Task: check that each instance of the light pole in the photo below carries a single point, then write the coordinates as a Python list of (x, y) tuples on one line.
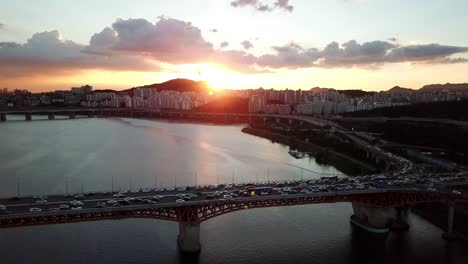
[(18, 186)]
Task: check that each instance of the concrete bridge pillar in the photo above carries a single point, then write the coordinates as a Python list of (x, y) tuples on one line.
[(450, 235), (71, 116), (379, 220), (189, 237), (3, 117), (51, 116), (90, 114), (401, 221), (27, 116)]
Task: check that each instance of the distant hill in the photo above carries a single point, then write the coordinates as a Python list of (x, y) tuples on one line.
[(454, 87), (179, 85), (398, 89), (355, 93)]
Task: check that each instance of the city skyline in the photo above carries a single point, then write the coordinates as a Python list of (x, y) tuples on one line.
[(119, 45)]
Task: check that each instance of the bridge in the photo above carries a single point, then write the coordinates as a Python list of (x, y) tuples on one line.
[(379, 203)]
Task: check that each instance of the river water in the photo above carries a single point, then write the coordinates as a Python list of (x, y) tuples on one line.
[(40, 157)]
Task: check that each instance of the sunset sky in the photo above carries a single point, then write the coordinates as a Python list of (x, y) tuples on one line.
[(295, 44)]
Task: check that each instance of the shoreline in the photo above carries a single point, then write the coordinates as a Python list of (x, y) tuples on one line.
[(341, 161)]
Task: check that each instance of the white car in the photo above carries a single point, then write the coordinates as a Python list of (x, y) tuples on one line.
[(77, 208), (227, 197), (180, 201), (41, 201), (34, 209), (76, 203), (64, 206), (2, 207), (456, 192), (112, 202)]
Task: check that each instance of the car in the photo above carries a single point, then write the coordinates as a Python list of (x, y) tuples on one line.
[(118, 195), (112, 202), (431, 189), (77, 208), (78, 196), (124, 202), (41, 201), (35, 209), (53, 209), (64, 207), (2, 207), (227, 197), (456, 192), (100, 205), (180, 201), (76, 203)]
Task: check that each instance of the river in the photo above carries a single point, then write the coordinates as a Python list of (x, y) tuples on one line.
[(41, 157)]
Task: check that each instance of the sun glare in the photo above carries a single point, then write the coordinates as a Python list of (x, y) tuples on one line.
[(215, 75)]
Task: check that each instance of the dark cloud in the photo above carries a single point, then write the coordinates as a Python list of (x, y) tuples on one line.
[(284, 4), (242, 3), (367, 55), (247, 44), (289, 56), (264, 7), (352, 53), (47, 51), (139, 45), (168, 40), (431, 52)]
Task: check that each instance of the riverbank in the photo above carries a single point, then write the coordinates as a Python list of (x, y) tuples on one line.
[(345, 163)]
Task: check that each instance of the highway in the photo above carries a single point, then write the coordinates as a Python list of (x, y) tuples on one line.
[(174, 197)]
